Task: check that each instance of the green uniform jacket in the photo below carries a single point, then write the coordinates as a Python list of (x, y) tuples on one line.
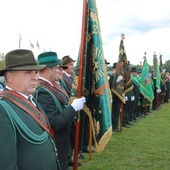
[(59, 120), (136, 85), (68, 81), (21, 154)]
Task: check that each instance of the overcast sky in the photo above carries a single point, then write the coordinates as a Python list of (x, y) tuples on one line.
[(56, 25)]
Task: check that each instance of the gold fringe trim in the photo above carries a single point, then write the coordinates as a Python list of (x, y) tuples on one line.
[(147, 97), (128, 89), (147, 92), (105, 138), (118, 95)]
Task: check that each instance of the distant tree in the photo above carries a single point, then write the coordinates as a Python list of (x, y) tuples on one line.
[(167, 65), (2, 60)]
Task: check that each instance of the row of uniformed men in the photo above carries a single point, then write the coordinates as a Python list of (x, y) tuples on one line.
[(36, 134), (137, 105)]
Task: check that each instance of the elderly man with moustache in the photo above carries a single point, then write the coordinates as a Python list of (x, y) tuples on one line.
[(27, 141)]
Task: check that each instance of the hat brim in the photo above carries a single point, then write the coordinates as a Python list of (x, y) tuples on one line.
[(64, 67), (22, 68), (67, 62)]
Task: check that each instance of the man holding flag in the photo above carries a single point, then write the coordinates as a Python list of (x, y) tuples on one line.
[(145, 85), (115, 103), (60, 115), (122, 83), (156, 81), (91, 79)]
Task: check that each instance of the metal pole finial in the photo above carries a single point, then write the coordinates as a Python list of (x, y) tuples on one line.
[(122, 36), (144, 55)]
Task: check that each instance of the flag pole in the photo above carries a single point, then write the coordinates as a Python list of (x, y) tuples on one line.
[(145, 97), (156, 76), (161, 68), (20, 40), (121, 116), (121, 104), (90, 140), (80, 80)]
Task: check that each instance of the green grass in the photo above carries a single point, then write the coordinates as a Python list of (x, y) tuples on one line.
[(143, 146)]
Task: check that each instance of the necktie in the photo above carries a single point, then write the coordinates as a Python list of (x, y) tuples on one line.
[(30, 99), (59, 85)]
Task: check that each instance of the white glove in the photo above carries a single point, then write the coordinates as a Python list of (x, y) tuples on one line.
[(158, 90), (126, 98), (78, 104), (1, 90), (132, 98), (119, 78)]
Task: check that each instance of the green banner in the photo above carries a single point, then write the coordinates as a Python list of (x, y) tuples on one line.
[(156, 71), (95, 82), (122, 82), (145, 84)]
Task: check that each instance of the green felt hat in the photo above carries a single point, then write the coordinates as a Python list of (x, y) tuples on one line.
[(139, 70), (50, 59), (114, 65), (133, 69), (20, 59)]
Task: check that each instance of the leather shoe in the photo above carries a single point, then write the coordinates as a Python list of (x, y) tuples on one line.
[(128, 123), (134, 121), (126, 126), (80, 155), (71, 163), (86, 150), (116, 130)]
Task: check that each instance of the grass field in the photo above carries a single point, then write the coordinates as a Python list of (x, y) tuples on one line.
[(143, 146)]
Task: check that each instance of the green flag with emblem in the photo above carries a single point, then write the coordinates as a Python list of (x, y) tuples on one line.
[(95, 83), (145, 83), (122, 83)]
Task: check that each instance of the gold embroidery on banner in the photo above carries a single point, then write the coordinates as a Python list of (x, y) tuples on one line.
[(88, 37), (95, 29), (99, 146), (120, 87), (94, 16)]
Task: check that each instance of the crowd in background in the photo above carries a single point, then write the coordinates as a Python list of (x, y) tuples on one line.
[(137, 105)]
